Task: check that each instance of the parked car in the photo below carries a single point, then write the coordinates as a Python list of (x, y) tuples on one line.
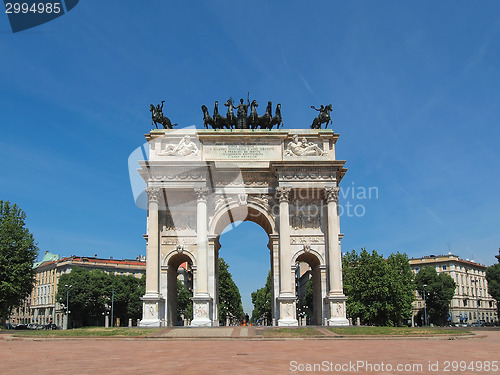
[(21, 326), (477, 324)]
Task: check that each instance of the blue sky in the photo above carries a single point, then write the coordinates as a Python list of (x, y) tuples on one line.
[(415, 88)]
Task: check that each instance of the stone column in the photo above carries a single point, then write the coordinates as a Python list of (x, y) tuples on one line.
[(275, 272), (153, 303), (153, 249), (201, 299), (286, 282), (332, 196), (324, 290), (201, 239), (335, 297), (286, 298)]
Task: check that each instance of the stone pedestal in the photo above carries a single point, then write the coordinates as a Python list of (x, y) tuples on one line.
[(153, 308), (337, 311), (287, 311), (201, 311)]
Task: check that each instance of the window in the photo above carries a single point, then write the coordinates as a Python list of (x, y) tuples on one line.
[(445, 267)]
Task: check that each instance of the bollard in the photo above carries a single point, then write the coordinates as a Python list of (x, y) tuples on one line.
[(130, 322), (106, 321), (358, 321)]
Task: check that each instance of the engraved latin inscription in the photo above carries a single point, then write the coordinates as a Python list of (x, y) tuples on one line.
[(242, 151)]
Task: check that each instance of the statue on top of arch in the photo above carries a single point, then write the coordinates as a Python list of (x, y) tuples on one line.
[(323, 116), (242, 120)]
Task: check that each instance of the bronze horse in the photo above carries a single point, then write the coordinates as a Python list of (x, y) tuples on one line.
[(265, 120), (277, 120), (218, 121), (253, 119), (207, 120), (231, 118)]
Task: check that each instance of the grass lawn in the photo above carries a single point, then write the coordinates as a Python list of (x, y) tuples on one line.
[(291, 332), (89, 331), (396, 331)]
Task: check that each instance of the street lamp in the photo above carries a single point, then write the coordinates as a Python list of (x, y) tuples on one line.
[(425, 307), (67, 304), (112, 305)]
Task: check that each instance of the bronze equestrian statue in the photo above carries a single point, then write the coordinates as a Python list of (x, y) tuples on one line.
[(323, 116), (157, 117)]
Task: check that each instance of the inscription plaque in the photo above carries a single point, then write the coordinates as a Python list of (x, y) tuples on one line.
[(242, 151)]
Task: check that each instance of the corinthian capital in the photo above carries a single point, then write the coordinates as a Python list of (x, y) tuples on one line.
[(153, 194), (283, 193), (201, 193), (332, 194)]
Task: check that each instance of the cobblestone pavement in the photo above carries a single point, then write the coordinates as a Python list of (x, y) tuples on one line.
[(168, 355)]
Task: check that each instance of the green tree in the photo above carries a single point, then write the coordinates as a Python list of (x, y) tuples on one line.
[(262, 301), (229, 294), (378, 291), (92, 293), (440, 289), (184, 302), (89, 294), (403, 287), (18, 251), (493, 278), (128, 291)]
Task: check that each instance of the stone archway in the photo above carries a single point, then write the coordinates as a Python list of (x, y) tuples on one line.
[(199, 181), (169, 277), (317, 275), (257, 211)]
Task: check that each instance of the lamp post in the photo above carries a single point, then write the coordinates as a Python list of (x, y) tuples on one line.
[(425, 307), (112, 305), (67, 305)]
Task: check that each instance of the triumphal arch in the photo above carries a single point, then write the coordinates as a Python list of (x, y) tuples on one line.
[(201, 181)]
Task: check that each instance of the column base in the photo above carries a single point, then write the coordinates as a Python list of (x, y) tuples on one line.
[(202, 311), (336, 303), (153, 310), (287, 310), (288, 323), (338, 322)]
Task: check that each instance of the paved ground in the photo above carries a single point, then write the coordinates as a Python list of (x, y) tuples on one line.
[(226, 355)]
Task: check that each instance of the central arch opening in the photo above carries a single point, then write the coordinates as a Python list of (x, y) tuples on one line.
[(244, 245)]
